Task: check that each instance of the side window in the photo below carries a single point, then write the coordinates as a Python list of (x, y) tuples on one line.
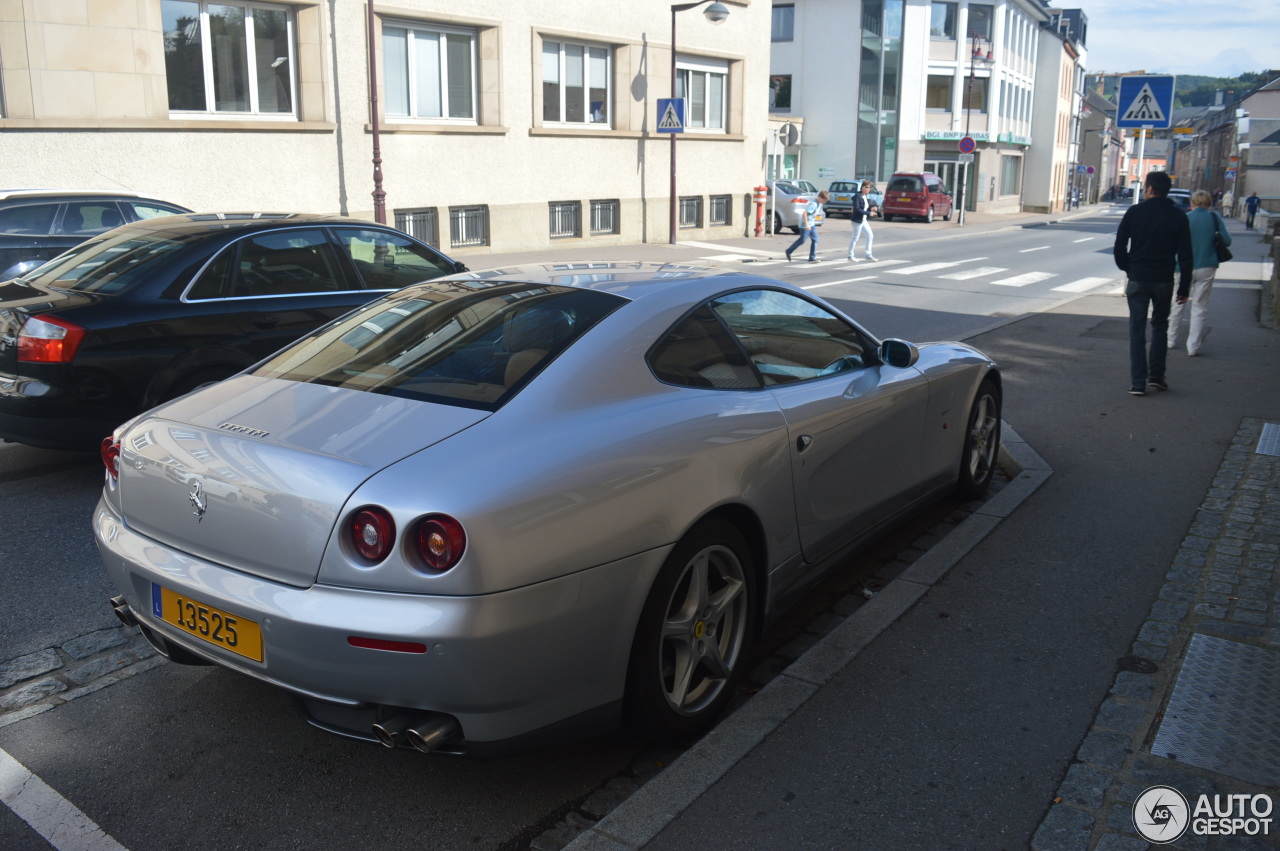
[(386, 261), (287, 263), (151, 211), (213, 280), (86, 219), (699, 353), (28, 219), (790, 339)]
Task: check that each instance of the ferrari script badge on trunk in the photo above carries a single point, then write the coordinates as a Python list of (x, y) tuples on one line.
[(197, 501)]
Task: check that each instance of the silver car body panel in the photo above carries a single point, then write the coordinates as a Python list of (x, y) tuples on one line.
[(571, 495)]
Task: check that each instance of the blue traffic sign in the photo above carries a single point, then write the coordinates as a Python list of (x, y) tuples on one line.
[(967, 145), (1145, 100), (670, 115)]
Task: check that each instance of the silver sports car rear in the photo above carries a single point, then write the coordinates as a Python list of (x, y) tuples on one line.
[(504, 506)]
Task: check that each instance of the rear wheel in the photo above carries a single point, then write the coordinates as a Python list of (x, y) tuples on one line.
[(887, 217), (981, 442), (928, 217), (775, 224), (690, 646)]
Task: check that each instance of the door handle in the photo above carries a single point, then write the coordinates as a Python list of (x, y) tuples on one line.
[(803, 442), (267, 320)]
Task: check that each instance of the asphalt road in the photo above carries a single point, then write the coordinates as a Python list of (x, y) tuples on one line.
[(202, 757)]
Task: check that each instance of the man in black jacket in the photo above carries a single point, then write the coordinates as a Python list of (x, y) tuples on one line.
[(1153, 236)]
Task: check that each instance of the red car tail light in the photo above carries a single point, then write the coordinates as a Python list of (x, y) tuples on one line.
[(373, 533), (111, 456), (440, 541), (45, 339)]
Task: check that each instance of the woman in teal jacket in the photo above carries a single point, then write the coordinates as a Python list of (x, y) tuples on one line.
[(1204, 222)]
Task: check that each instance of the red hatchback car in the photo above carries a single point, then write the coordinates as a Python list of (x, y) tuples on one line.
[(915, 194)]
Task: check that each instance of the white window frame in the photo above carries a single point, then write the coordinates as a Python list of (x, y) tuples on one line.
[(587, 81), (206, 49), (692, 70), (410, 79)]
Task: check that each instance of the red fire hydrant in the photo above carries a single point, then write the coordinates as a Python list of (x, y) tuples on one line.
[(761, 193)]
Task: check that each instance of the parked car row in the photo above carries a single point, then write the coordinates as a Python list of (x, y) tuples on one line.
[(908, 195)]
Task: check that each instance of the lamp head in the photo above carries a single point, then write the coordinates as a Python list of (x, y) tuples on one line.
[(716, 13)]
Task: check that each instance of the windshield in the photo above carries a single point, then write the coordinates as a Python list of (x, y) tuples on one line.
[(467, 343), (109, 264)]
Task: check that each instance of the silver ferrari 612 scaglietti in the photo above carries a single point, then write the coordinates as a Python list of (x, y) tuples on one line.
[(501, 507)]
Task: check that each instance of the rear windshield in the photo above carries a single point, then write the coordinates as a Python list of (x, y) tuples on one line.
[(110, 264), (843, 187), (902, 183), (468, 343)]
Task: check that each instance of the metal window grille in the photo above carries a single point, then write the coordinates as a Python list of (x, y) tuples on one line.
[(421, 224), (566, 219), (604, 217), (721, 208), (468, 226), (691, 212)]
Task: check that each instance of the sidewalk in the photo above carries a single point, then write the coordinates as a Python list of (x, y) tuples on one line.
[(1025, 681)]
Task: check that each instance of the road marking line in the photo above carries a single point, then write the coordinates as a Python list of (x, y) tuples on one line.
[(49, 814), (712, 246), (872, 264), (728, 257), (1024, 279), (974, 273), (931, 267), (1086, 239), (1029, 250), (1081, 285), (833, 283)]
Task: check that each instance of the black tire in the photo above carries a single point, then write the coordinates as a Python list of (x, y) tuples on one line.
[(887, 218), (793, 228), (774, 225), (947, 217), (199, 379), (928, 217), (701, 604), (981, 442)]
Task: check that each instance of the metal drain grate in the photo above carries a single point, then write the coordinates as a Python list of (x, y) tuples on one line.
[(1269, 442), (1223, 713)]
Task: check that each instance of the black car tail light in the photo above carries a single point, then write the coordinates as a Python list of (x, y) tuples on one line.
[(373, 533), (111, 456), (47, 339), (441, 541)]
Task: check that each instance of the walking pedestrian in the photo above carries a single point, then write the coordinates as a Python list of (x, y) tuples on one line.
[(1154, 237), (861, 215), (1204, 224), (1251, 209), (1217, 198), (809, 227)]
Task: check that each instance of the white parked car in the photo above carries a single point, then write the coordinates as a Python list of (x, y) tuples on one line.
[(792, 196)]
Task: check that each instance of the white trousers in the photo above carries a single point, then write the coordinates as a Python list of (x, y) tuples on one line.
[(859, 229), (1201, 289)]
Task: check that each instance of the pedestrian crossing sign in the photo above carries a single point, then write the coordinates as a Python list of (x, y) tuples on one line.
[(1145, 100), (670, 115)]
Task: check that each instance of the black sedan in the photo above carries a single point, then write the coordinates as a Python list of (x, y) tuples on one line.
[(152, 310)]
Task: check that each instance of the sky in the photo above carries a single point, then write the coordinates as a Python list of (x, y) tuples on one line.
[(1215, 38)]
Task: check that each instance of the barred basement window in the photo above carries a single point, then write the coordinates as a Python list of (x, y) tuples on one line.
[(421, 224), (566, 219), (691, 211), (468, 226), (721, 209), (604, 217)]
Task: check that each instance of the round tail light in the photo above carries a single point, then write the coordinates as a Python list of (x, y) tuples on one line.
[(440, 541), (373, 533), (111, 456)]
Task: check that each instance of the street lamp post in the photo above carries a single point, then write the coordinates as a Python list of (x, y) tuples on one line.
[(976, 58), (379, 194), (715, 13)]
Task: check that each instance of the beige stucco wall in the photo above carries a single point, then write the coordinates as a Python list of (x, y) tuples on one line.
[(86, 105)]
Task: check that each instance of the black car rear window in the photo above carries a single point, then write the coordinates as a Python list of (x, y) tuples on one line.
[(467, 343), (107, 265), (906, 184)]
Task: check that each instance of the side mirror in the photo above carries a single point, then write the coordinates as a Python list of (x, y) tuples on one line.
[(899, 353), (459, 266)]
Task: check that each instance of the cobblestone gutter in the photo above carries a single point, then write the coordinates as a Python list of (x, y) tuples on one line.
[(1202, 723)]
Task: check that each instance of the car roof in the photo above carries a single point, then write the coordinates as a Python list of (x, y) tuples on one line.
[(7, 194), (192, 223)]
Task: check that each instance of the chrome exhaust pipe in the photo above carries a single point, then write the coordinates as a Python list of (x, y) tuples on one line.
[(121, 607), (391, 731), (433, 733)]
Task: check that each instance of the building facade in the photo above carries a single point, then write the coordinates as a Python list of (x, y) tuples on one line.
[(501, 126)]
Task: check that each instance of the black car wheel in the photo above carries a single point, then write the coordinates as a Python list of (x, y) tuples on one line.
[(928, 217), (981, 442), (690, 645)]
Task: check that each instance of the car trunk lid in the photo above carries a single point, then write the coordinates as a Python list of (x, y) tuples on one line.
[(21, 299), (253, 472)]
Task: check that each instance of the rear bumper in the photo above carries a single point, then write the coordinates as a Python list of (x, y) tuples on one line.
[(505, 665), (38, 414)]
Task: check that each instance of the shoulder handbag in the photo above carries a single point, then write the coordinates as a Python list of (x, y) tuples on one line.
[(1224, 253)]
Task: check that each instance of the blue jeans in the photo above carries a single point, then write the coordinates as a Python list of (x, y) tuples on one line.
[(1148, 365), (810, 234)]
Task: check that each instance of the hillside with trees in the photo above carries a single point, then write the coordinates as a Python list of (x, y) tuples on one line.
[(1194, 90)]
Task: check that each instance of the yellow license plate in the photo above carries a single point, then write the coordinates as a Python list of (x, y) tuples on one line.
[(230, 632)]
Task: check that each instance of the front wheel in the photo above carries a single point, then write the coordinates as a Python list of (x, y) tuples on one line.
[(981, 442), (690, 645), (947, 217)]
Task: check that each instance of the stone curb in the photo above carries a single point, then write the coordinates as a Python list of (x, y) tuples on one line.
[(1224, 583), (657, 803)]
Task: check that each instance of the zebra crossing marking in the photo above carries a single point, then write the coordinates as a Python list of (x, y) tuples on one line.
[(978, 272), (933, 267), (1082, 285), (1024, 279)]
